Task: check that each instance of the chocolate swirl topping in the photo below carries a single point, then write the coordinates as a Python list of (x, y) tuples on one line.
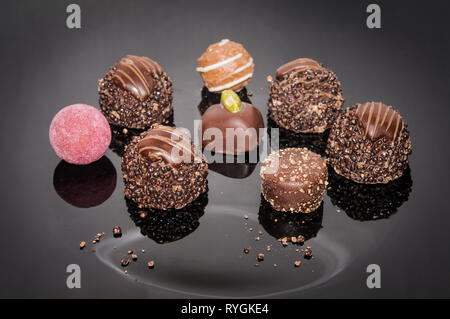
[(302, 63), (135, 74), (379, 120), (168, 143)]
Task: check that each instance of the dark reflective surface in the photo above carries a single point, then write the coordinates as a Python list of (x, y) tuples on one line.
[(49, 66), (314, 142), (369, 202), (85, 186)]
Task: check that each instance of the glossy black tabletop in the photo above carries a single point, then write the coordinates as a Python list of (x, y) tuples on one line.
[(49, 207)]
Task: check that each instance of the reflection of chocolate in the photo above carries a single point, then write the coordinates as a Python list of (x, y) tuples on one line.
[(85, 185), (233, 166), (245, 123), (316, 143), (369, 144), (209, 99), (169, 225), (280, 225), (369, 202)]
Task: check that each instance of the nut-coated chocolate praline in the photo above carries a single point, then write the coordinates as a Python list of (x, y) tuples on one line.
[(163, 169), (231, 127), (305, 97), (135, 93), (294, 179), (225, 65), (369, 144)]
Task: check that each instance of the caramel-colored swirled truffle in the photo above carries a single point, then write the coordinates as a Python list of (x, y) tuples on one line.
[(225, 65)]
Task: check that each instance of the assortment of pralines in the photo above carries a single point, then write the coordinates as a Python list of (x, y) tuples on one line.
[(365, 144)]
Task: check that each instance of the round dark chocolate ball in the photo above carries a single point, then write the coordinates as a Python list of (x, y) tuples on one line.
[(136, 93), (280, 225), (305, 97), (369, 202), (294, 179), (369, 144), (163, 169), (165, 226), (85, 186)]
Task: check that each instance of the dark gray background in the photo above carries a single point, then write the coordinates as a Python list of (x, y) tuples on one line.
[(46, 66)]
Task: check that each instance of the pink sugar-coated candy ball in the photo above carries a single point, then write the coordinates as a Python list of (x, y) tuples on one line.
[(80, 134)]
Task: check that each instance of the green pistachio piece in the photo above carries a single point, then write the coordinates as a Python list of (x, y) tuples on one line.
[(231, 101)]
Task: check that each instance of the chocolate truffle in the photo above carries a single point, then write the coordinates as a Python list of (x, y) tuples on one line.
[(136, 93), (165, 226), (294, 179), (231, 127), (225, 65), (305, 97), (163, 169), (369, 202), (369, 144)]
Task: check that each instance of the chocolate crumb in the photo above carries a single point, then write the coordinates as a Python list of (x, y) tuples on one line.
[(117, 231), (308, 253), (143, 214), (124, 262), (246, 250), (260, 257)]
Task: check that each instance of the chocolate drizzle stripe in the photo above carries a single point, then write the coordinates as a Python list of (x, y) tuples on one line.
[(128, 78), (135, 74), (385, 115), (396, 127), (370, 118), (153, 66), (140, 75), (390, 120), (379, 120)]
